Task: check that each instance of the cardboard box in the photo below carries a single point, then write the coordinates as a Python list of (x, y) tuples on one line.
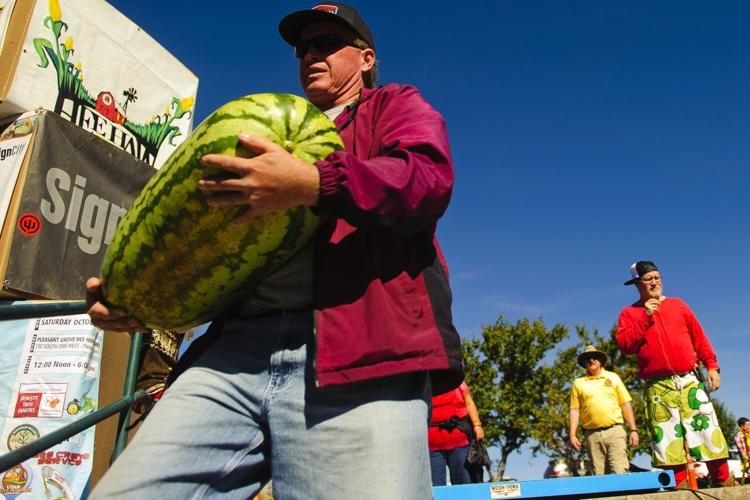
[(70, 191), (87, 62)]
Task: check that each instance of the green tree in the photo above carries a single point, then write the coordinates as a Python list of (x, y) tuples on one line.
[(727, 420), (508, 381), (550, 433), (522, 399)]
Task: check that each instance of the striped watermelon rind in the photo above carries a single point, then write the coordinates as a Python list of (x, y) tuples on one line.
[(174, 262)]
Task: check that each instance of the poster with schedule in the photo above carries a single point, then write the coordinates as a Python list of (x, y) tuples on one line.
[(49, 377)]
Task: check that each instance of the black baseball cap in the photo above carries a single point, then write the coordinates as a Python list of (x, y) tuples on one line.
[(638, 269), (291, 26)]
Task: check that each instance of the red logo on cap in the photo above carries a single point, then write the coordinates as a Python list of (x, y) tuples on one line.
[(331, 9), (29, 224)]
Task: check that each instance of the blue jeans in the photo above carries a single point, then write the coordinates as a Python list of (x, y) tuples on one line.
[(248, 411), (455, 459)]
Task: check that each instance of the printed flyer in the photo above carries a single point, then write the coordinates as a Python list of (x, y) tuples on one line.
[(49, 377)]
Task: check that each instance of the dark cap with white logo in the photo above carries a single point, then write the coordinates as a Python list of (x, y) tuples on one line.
[(292, 25), (638, 269)]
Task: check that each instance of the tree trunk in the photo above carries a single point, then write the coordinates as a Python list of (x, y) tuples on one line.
[(498, 476)]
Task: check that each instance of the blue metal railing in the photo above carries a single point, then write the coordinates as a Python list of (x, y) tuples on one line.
[(25, 310), (562, 487)]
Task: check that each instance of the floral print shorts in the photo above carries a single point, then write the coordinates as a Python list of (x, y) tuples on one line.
[(679, 411)]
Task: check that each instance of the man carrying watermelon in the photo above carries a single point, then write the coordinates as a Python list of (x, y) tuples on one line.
[(321, 378)]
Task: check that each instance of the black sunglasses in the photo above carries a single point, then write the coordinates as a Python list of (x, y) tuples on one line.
[(325, 44)]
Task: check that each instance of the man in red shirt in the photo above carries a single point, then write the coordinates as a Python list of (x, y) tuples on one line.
[(669, 341)]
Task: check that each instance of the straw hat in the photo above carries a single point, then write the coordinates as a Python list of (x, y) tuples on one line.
[(592, 352)]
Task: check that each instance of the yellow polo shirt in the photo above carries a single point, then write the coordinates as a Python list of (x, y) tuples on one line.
[(599, 399)]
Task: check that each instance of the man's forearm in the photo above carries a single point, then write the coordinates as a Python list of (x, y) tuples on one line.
[(627, 413), (573, 425)]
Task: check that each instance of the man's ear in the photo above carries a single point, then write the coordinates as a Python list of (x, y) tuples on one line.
[(368, 59)]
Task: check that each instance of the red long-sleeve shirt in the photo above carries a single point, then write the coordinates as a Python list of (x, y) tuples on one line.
[(667, 343)]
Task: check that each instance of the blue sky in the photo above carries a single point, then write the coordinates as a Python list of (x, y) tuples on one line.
[(586, 134)]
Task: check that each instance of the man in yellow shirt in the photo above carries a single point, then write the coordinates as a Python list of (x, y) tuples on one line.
[(600, 401)]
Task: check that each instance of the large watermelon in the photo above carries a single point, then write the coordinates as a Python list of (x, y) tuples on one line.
[(175, 262)]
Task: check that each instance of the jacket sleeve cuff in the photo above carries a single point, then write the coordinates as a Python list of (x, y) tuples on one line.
[(331, 179)]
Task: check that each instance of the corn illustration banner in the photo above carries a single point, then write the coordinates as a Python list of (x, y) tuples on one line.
[(87, 62)]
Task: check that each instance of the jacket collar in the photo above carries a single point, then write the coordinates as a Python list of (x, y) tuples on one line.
[(347, 116)]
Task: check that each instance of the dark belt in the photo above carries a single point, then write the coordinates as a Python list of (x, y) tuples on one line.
[(271, 314), (601, 428), (667, 377)]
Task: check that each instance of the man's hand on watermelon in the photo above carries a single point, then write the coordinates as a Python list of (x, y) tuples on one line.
[(271, 181), (105, 316)]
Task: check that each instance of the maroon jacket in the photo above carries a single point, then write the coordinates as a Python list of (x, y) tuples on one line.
[(381, 295), (382, 298)]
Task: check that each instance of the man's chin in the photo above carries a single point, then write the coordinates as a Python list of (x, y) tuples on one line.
[(317, 93), (320, 99)]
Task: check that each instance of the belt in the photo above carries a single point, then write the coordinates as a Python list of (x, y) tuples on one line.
[(668, 377), (601, 428)]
